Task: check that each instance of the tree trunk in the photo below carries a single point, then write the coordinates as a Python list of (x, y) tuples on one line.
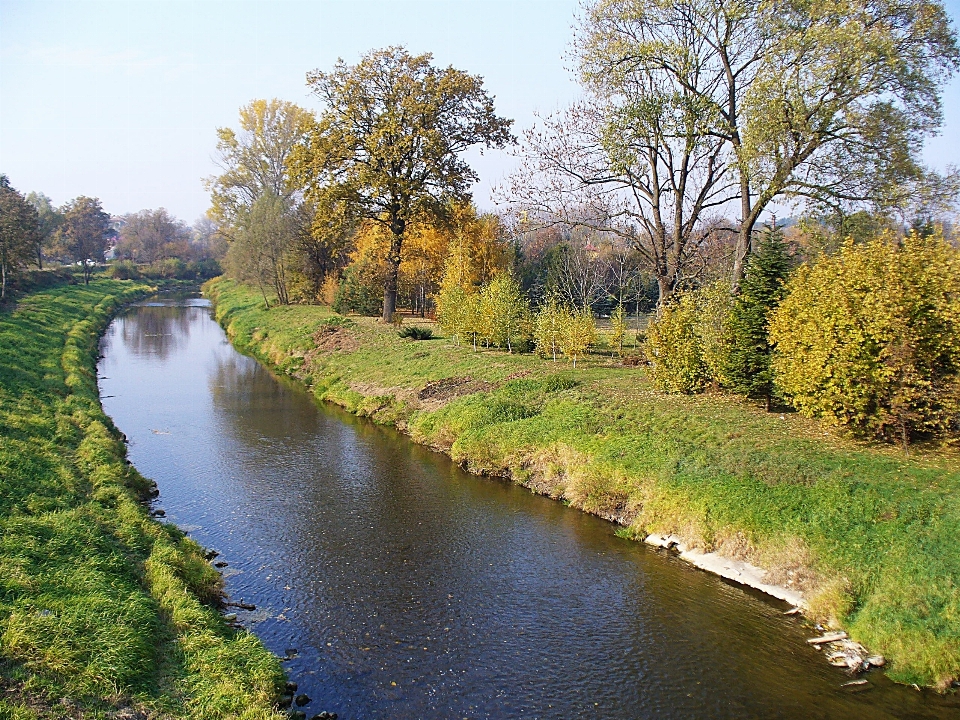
[(3, 283), (393, 274), (744, 237)]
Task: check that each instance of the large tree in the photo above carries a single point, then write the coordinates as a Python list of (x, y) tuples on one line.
[(638, 159), (254, 159), (85, 232), (19, 232), (824, 100), (152, 235), (387, 146)]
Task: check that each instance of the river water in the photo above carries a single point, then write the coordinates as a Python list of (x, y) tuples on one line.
[(403, 587)]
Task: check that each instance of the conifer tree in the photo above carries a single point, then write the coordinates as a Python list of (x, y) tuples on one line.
[(748, 365)]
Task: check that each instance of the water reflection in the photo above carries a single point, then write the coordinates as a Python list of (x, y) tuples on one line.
[(411, 589)]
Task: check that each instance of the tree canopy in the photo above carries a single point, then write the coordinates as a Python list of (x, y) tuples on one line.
[(19, 232), (828, 101), (85, 232), (387, 145)]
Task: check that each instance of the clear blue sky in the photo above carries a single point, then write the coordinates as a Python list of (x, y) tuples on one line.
[(120, 100)]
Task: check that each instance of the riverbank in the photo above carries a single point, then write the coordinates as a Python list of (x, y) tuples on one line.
[(868, 537), (104, 612)]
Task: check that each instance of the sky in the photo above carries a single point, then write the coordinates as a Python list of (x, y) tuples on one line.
[(121, 99)]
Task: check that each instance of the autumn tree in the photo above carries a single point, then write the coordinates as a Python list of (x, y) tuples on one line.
[(19, 232), (827, 101), (504, 312), (254, 159), (149, 236), (387, 145), (86, 232)]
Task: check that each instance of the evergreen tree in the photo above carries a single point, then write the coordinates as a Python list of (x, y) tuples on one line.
[(748, 365)]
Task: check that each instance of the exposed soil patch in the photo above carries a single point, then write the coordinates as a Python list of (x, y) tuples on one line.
[(435, 395), (333, 338)]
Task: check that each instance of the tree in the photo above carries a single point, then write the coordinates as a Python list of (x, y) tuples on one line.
[(150, 236), (548, 328), (261, 251), (19, 232), (49, 219), (618, 328), (578, 333), (823, 101), (504, 312), (387, 145), (869, 338), (639, 161), (255, 159), (85, 233), (748, 369)]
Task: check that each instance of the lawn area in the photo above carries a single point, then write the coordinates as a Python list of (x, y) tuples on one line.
[(102, 608), (870, 535)]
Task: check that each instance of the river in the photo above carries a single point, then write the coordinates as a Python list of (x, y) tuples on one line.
[(402, 587)]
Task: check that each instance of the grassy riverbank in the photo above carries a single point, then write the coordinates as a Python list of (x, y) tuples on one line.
[(101, 607), (870, 536)]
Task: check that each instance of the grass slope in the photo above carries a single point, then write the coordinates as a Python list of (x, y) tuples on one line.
[(871, 536), (101, 607)]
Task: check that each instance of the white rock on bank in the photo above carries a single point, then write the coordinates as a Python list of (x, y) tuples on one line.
[(735, 570)]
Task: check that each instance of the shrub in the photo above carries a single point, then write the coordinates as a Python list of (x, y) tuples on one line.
[(125, 270), (416, 332), (689, 343), (869, 338), (674, 349)]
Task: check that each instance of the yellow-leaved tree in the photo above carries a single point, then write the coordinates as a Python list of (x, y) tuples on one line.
[(869, 338)]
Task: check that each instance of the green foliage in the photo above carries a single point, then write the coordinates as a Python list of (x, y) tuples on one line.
[(747, 367), (354, 295), (869, 338), (416, 332), (19, 233)]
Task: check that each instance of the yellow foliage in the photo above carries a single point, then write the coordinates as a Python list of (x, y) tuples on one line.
[(869, 338)]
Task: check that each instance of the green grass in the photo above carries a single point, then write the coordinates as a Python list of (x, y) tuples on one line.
[(870, 535), (101, 607)]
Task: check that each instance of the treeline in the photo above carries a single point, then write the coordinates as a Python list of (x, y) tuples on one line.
[(149, 243), (697, 122)]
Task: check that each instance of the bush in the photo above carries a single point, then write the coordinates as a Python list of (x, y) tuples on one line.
[(416, 332), (689, 344), (869, 338), (674, 349), (125, 270)]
